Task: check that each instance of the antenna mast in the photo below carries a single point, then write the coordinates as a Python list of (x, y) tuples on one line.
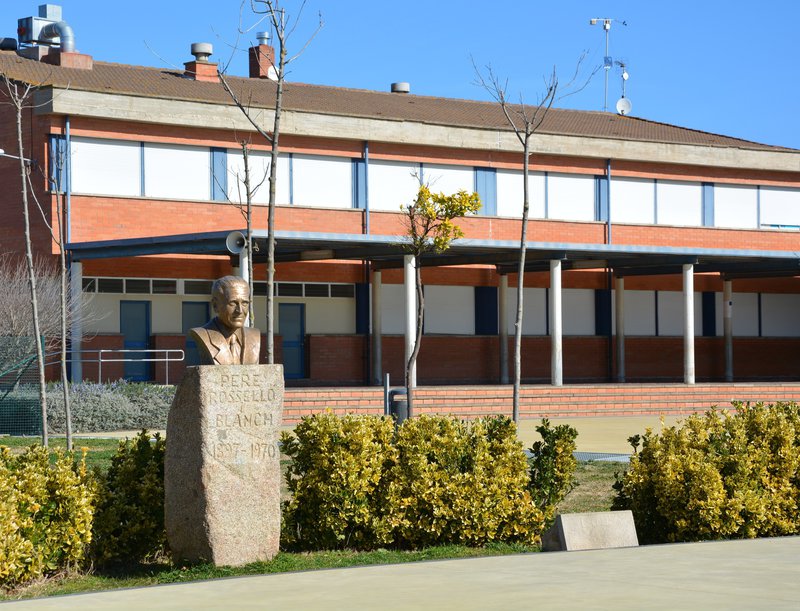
[(608, 62)]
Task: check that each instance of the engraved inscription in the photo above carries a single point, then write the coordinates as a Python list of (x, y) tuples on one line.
[(243, 420)]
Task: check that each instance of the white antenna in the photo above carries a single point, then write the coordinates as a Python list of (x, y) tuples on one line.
[(608, 62), (624, 105)]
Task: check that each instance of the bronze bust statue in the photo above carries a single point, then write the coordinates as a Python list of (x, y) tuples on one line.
[(224, 340)]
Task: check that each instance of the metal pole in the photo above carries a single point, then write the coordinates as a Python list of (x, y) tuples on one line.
[(556, 348), (607, 27), (386, 383), (619, 312), (377, 324), (76, 330), (503, 322), (727, 325)]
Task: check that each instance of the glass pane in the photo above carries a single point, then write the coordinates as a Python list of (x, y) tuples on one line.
[(109, 285), (165, 287), (197, 287), (135, 285)]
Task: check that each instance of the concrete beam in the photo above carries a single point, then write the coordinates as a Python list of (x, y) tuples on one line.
[(227, 117)]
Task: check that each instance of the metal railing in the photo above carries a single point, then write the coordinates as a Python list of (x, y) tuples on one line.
[(156, 351)]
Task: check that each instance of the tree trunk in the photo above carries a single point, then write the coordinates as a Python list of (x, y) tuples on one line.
[(18, 101), (521, 279)]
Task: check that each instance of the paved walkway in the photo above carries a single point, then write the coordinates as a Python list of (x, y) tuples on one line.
[(754, 574)]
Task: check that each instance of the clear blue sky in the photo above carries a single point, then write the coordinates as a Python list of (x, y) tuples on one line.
[(725, 67)]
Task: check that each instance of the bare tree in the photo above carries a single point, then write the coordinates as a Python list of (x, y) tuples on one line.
[(430, 229), (19, 96), (283, 27), (524, 119)]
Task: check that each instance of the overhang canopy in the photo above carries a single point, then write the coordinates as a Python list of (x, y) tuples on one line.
[(385, 251)]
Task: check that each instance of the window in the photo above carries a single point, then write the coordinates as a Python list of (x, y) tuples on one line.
[(679, 203), (570, 197), (177, 172), (735, 206), (89, 285), (197, 287), (290, 289), (322, 181), (392, 184), (165, 287), (109, 285), (632, 201), (106, 167), (509, 194), (137, 285), (486, 188), (316, 290), (342, 290)]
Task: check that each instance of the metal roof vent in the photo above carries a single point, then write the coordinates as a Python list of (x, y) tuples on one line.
[(202, 51), (401, 87), (262, 38)]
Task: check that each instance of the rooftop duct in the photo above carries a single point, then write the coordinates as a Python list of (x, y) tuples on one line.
[(401, 87)]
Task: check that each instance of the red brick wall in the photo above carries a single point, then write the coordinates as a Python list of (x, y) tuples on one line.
[(110, 371)]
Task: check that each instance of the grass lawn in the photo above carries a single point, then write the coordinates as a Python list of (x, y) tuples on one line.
[(593, 493)]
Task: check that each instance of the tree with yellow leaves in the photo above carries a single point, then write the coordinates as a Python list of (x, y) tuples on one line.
[(430, 229)]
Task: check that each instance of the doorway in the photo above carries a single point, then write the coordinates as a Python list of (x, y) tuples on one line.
[(134, 324), (292, 319)]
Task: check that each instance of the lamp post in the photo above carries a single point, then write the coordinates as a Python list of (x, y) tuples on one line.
[(607, 61)]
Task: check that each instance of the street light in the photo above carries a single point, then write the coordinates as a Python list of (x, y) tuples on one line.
[(25, 159), (607, 61)]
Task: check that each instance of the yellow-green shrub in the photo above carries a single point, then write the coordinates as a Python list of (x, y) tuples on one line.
[(337, 479), (552, 466), (46, 514), (459, 482), (719, 475), (129, 525)]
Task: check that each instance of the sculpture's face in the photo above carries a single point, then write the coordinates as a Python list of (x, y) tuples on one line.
[(232, 306)]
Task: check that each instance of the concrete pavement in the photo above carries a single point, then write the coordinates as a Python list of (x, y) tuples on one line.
[(752, 574)]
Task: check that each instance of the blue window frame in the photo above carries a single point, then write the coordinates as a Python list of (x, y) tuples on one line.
[(486, 188)]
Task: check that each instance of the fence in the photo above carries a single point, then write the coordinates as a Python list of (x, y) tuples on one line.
[(20, 408)]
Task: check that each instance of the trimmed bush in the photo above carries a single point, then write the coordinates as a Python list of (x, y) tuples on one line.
[(129, 525), (116, 406), (357, 484), (338, 479), (46, 514), (552, 466), (460, 482), (720, 475)]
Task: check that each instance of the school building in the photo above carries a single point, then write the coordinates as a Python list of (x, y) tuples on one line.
[(656, 254)]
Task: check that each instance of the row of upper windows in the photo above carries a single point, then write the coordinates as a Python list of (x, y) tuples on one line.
[(169, 171), (159, 286)]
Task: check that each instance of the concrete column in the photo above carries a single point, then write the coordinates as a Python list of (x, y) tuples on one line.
[(76, 326), (377, 326), (688, 323), (727, 327), (503, 323), (556, 348), (619, 315), (410, 280)]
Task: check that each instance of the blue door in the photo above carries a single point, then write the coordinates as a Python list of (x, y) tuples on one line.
[(193, 314), (292, 320), (134, 324)]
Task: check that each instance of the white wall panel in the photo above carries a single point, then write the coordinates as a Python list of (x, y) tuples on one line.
[(322, 181), (177, 172), (735, 206), (780, 315), (450, 309), (534, 311), (103, 314), (578, 311), (780, 206), (509, 194), (670, 313), (393, 310), (570, 197), (745, 314), (449, 179), (105, 167), (166, 313), (259, 171), (640, 313), (392, 184), (679, 203), (323, 316), (632, 201)]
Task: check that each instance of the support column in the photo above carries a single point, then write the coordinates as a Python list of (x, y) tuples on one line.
[(410, 284), (377, 326), (503, 331), (556, 348), (244, 273), (727, 326), (619, 315), (76, 326), (688, 323)]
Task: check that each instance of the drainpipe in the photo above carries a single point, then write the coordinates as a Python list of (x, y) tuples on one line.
[(68, 181), (366, 186), (608, 198)]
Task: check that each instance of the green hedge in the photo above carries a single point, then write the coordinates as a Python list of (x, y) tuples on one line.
[(719, 475), (438, 480), (46, 513)]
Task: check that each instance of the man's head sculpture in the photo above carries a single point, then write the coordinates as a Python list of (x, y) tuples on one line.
[(225, 340)]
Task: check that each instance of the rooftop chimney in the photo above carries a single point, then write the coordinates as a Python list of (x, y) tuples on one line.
[(201, 69), (401, 87), (262, 58)]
